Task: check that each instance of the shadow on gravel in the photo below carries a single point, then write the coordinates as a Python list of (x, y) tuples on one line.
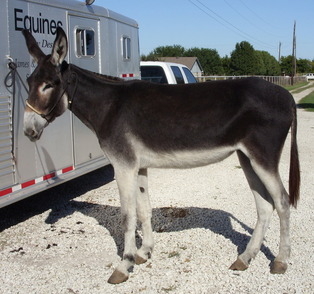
[(173, 219), (57, 198), (60, 200)]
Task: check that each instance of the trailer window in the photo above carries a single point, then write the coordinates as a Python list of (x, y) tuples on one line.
[(126, 48), (85, 41)]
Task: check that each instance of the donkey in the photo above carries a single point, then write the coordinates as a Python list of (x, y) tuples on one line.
[(141, 125)]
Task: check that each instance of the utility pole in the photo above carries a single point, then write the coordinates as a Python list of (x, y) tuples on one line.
[(294, 49), (279, 52)]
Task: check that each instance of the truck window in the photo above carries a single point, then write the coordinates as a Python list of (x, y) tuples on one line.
[(154, 74), (191, 79), (177, 74), (85, 42), (126, 48)]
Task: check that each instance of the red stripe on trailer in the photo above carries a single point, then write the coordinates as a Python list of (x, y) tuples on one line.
[(6, 192), (50, 176), (27, 184), (33, 182), (67, 169), (129, 75)]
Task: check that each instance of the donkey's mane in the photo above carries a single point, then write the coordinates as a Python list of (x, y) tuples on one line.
[(107, 77), (99, 76)]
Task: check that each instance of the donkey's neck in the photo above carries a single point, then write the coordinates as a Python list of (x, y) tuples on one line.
[(91, 96)]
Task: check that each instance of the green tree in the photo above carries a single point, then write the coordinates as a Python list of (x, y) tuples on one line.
[(209, 59), (270, 66), (225, 62), (149, 57), (286, 65), (260, 66), (244, 61), (169, 51), (312, 65), (304, 66)]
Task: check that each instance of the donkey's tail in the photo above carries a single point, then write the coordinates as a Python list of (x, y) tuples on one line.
[(294, 174)]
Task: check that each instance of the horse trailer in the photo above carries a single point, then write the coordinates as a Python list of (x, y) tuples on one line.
[(101, 41)]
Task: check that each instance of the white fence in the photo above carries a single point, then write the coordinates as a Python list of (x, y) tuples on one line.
[(279, 80)]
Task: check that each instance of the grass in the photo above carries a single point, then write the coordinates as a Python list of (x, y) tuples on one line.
[(307, 102), (300, 89), (296, 87)]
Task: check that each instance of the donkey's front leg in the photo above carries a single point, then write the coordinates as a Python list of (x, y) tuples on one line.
[(127, 183), (144, 214)]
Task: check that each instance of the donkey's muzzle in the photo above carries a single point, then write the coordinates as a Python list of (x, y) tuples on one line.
[(33, 135), (34, 125)]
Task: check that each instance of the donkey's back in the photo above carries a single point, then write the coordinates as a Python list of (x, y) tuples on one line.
[(197, 124)]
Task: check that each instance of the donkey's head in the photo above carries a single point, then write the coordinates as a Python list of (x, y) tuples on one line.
[(47, 98)]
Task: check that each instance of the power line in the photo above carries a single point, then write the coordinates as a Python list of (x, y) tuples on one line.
[(257, 15), (226, 23), (247, 19), (254, 13), (207, 12)]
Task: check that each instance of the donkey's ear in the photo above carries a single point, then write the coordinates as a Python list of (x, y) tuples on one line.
[(60, 47), (32, 46)]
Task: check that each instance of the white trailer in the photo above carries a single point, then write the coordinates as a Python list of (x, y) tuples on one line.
[(100, 40)]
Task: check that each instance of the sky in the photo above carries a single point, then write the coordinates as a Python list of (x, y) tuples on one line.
[(221, 24)]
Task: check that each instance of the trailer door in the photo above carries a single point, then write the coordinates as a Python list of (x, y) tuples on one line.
[(84, 52)]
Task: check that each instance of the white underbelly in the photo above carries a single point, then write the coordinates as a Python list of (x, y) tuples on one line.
[(183, 159)]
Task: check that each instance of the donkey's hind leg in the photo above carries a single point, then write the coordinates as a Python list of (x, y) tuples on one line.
[(265, 207), (144, 214), (280, 198)]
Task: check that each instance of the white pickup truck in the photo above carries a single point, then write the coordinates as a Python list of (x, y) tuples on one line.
[(166, 73), (309, 76)]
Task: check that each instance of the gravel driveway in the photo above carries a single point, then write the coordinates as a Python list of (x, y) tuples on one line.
[(68, 240)]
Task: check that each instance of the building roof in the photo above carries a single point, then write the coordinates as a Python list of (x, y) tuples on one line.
[(187, 61)]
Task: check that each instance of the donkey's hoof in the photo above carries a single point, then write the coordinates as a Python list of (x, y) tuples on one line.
[(139, 259), (117, 277), (238, 265), (278, 267)]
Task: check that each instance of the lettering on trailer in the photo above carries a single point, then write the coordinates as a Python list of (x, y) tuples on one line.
[(34, 24)]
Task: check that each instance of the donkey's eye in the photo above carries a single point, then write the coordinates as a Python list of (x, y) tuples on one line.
[(47, 86)]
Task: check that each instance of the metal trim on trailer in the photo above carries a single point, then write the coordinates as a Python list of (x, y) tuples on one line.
[(31, 187), (77, 6)]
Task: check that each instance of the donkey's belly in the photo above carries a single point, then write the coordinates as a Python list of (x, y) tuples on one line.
[(184, 159)]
